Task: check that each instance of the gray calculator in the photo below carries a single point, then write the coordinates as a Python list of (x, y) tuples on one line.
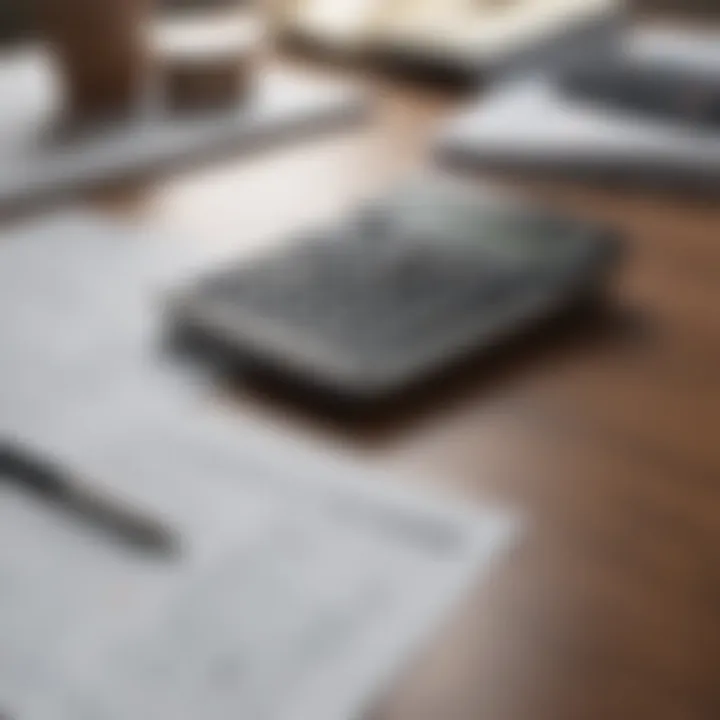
[(402, 288)]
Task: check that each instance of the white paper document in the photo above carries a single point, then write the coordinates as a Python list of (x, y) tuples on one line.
[(303, 582), (302, 585)]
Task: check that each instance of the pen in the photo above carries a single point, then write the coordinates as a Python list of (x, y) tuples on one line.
[(49, 481)]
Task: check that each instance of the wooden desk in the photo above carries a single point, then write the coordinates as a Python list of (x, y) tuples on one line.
[(607, 437)]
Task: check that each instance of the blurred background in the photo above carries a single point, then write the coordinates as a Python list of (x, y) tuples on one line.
[(16, 16)]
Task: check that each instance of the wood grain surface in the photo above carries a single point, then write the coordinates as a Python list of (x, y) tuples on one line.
[(604, 432)]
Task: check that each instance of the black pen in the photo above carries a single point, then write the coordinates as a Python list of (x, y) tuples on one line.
[(57, 486)]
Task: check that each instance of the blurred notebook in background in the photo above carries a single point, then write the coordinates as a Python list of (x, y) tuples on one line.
[(460, 37), (536, 124), (304, 582)]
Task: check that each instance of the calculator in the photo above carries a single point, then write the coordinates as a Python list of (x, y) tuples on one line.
[(399, 290)]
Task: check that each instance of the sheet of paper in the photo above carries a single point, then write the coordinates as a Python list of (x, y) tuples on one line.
[(304, 583), (81, 317)]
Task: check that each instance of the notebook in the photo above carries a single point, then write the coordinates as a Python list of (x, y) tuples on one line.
[(532, 125)]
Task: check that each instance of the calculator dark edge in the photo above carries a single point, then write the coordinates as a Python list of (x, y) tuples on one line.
[(249, 343)]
